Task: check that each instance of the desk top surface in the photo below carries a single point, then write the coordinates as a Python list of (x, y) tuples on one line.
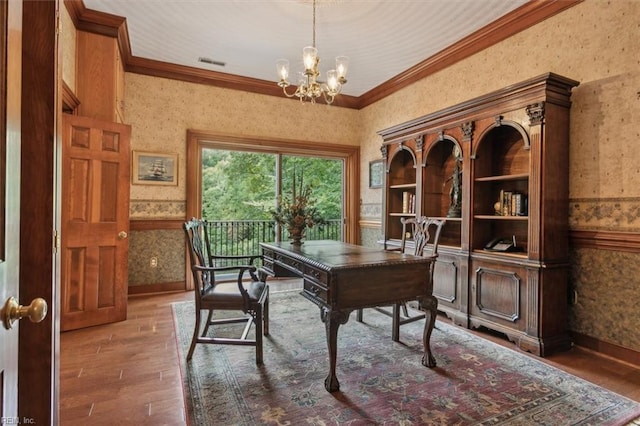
[(338, 255)]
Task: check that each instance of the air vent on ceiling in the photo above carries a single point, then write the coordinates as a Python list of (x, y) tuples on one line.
[(211, 61)]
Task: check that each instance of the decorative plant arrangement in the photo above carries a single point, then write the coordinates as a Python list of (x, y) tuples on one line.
[(297, 213)]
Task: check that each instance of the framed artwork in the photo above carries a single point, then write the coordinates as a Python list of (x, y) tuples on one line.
[(376, 169), (154, 168)]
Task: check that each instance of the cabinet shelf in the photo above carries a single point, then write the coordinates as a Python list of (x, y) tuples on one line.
[(402, 214), (496, 217), (403, 186), (448, 219), (514, 255), (503, 178)]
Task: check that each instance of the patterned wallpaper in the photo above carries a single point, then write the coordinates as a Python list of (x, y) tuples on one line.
[(161, 111), (68, 43)]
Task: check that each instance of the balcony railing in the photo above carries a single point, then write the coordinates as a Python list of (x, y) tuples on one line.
[(243, 237)]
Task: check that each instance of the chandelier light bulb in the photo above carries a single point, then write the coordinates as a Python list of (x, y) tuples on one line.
[(332, 81), (342, 66), (309, 56), (282, 66)]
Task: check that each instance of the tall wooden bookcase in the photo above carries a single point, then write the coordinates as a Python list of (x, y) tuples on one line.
[(510, 150)]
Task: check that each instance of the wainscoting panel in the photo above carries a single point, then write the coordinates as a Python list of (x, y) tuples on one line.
[(160, 243)]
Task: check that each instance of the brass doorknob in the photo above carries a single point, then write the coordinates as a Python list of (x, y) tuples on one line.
[(122, 235), (12, 311)]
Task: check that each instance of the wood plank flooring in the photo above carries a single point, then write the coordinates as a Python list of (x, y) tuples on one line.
[(128, 372)]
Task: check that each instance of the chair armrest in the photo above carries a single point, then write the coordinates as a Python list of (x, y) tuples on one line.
[(240, 268), (251, 258)]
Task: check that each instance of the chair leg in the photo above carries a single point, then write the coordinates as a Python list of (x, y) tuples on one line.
[(194, 339), (265, 314), (258, 322), (359, 315), (207, 324), (395, 323), (404, 310)]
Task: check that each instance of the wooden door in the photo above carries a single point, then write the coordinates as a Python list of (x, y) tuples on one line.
[(95, 222), (10, 42)]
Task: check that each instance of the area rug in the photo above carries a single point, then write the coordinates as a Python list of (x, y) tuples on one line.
[(382, 382)]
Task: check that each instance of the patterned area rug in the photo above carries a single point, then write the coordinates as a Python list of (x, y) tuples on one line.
[(382, 382)]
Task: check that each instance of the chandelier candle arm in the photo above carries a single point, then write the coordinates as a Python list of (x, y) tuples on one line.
[(309, 88)]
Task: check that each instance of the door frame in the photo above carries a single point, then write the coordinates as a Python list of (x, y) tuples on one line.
[(38, 365)]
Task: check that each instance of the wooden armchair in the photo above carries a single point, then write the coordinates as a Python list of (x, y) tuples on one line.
[(420, 237), (251, 297)]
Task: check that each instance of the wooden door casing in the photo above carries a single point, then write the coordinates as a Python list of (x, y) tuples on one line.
[(95, 222), (10, 139)]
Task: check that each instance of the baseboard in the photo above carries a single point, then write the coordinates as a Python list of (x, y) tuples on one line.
[(612, 350), (157, 288)]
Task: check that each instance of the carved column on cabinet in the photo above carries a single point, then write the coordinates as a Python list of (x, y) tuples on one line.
[(536, 118)]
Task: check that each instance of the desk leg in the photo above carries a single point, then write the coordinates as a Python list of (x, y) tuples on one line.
[(430, 306), (332, 320)]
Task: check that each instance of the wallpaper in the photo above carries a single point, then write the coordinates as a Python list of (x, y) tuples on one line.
[(161, 111), (68, 43)]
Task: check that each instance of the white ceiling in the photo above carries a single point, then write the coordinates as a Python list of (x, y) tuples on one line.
[(381, 38)]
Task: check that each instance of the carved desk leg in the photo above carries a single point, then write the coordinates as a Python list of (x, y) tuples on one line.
[(430, 306), (332, 320)]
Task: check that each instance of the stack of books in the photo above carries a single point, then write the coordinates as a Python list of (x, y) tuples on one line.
[(512, 203)]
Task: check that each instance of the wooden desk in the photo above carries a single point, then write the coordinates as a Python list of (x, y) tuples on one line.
[(340, 278)]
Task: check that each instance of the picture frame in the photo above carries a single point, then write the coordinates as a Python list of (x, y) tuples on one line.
[(376, 173), (154, 168)]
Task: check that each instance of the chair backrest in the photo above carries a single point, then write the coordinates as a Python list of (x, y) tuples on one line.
[(198, 253), (424, 232)]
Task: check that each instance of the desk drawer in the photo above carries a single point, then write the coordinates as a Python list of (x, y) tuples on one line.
[(315, 290), (316, 274), (267, 265), (287, 261)]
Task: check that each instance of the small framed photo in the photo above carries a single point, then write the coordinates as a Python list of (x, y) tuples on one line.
[(154, 168), (376, 169)]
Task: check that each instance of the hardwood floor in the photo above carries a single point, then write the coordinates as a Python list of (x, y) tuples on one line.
[(128, 372)]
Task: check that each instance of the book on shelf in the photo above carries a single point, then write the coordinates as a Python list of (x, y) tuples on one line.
[(512, 203), (408, 202)]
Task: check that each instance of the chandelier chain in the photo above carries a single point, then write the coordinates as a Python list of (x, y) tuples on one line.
[(314, 23)]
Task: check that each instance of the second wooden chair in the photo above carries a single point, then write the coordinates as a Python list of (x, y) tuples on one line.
[(420, 237)]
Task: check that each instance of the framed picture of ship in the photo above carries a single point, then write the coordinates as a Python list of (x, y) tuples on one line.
[(154, 168)]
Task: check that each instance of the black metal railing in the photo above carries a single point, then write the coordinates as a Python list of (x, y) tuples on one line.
[(243, 237)]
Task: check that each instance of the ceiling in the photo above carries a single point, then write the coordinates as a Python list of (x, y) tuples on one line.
[(381, 38)]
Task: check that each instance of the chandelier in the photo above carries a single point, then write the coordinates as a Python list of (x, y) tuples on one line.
[(309, 88)]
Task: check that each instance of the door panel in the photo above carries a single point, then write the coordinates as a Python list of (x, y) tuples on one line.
[(95, 222)]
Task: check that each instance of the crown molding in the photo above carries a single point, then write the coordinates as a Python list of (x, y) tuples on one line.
[(155, 68), (512, 23)]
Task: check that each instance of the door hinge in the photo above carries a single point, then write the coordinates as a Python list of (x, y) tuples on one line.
[(56, 241)]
